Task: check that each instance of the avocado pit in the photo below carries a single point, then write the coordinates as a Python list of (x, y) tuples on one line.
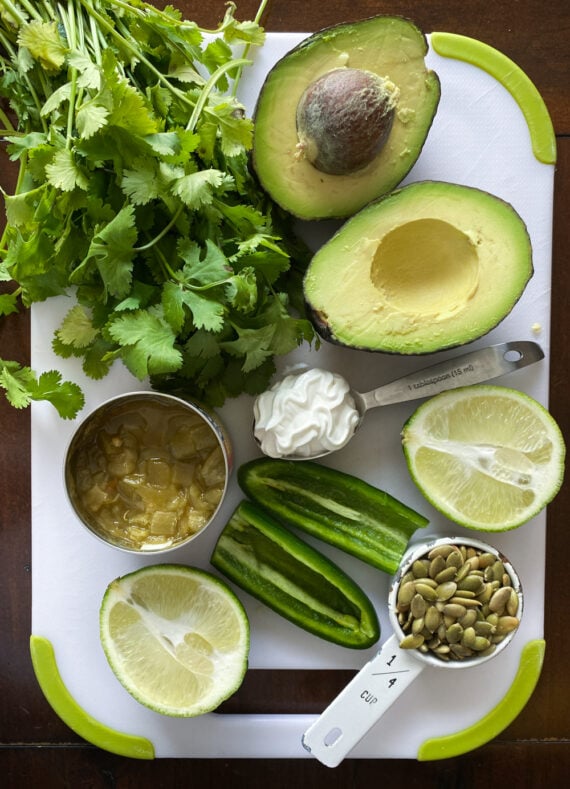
[(344, 118)]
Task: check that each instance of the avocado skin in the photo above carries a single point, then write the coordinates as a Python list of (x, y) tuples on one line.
[(380, 181), (322, 323)]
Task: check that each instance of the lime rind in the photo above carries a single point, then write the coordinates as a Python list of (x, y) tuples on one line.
[(497, 504), (174, 658)]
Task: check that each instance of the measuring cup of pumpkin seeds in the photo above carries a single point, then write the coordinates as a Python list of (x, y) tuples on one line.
[(455, 602)]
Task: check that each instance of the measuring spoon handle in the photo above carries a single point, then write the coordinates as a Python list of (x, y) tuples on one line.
[(361, 703), (470, 368)]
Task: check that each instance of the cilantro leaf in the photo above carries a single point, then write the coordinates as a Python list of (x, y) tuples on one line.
[(241, 290), (18, 146), (253, 344), (207, 313), (64, 173), (16, 382), (43, 42), (77, 328), (141, 184), (21, 386), (65, 396), (148, 343), (91, 118), (89, 72), (130, 110), (197, 189), (61, 94), (212, 267), (8, 303), (236, 131), (112, 247), (173, 305), (96, 361)]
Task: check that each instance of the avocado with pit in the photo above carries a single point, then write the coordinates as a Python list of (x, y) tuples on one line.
[(433, 265), (342, 118)]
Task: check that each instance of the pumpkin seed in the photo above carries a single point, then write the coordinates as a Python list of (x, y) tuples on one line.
[(468, 637), (454, 633), (455, 610), (432, 618), (471, 583), (507, 624), (442, 550), (418, 625), (460, 651), (469, 619), (486, 559), (427, 592), (454, 559), (418, 606), (446, 590), (500, 599), (484, 629), (466, 602), (513, 603), (465, 593), (447, 574), (437, 565), (406, 593), (463, 572), (420, 568), (480, 643), (412, 641)]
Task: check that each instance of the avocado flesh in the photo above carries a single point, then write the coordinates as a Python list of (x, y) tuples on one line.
[(392, 47), (431, 266)]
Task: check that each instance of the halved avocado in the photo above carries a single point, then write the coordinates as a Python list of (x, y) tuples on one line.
[(431, 266), (388, 47)]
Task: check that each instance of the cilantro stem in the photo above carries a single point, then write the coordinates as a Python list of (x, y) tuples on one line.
[(31, 9), (209, 86), (164, 263), (104, 24), (50, 11), (95, 41), (247, 47), (8, 127), (13, 11), (68, 21), (162, 233)]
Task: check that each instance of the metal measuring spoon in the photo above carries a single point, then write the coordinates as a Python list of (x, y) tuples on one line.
[(381, 681), (470, 368)]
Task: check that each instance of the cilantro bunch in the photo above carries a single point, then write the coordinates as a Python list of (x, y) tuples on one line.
[(135, 194)]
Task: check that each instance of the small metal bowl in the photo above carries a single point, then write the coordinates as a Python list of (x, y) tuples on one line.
[(146, 472)]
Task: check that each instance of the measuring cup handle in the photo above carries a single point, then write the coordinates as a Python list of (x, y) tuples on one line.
[(362, 702)]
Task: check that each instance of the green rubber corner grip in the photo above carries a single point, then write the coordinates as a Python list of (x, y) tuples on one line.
[(504, 713), (513, 78), (63, 703)]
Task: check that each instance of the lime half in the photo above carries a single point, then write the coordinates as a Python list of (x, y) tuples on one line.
[(487, 457), (177, 638)]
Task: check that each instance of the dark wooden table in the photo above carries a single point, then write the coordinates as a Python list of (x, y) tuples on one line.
[(37, 749)]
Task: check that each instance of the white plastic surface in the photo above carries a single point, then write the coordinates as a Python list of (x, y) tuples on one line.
[(479, 138)]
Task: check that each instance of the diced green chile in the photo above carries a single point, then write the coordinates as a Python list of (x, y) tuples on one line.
[(293, 579), (335, 507)]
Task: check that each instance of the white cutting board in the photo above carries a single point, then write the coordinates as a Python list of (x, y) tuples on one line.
[(479, 138)]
